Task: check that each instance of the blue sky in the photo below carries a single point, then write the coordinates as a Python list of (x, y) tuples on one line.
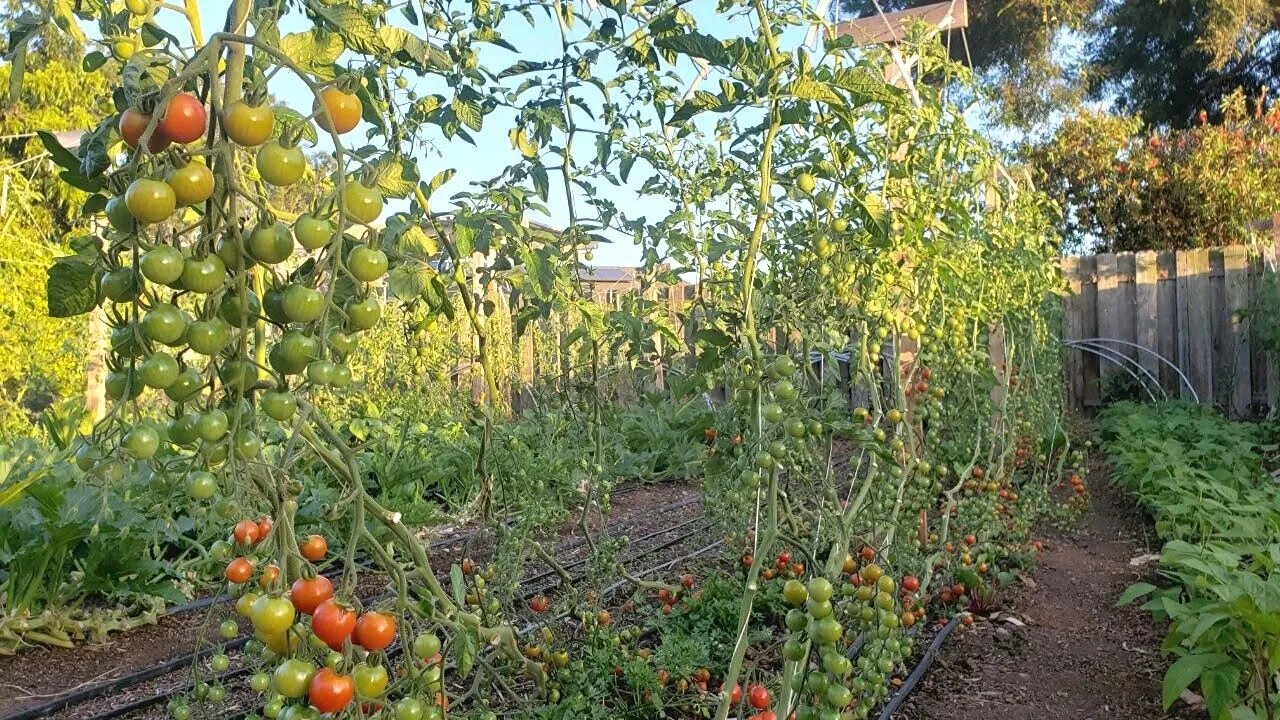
[(492, 150)]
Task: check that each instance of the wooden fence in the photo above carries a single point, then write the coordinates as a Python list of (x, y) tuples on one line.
[(1189, 306)]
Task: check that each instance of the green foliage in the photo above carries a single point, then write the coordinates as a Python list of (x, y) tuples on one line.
[(1218, 511), (1124, 190)]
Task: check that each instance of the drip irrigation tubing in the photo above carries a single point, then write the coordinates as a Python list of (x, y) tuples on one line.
[(88, 693), (917, 674)]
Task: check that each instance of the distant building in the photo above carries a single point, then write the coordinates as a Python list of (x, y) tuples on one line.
[(606, 284)]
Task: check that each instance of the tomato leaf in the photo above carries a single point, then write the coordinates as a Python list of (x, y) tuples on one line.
[(313, 50), (395, 175), (351, 23), (61, 156), (71, 287)]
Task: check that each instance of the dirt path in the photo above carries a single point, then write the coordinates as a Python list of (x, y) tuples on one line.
[(1078, 657)]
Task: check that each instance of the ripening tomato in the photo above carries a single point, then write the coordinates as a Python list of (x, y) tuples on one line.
[(245, 532), (192, 183), (150, 201), (374, 631), (248, 125), (239, 570), (133, 122), (315, 547), (291, 677), (333, 623), (279, 165), (336, 111), (272, 615), (362, 203), (184, 119), (371, 680), (308, 593), (330, 692)]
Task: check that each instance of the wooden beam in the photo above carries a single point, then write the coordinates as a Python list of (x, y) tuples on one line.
[(889, 28)]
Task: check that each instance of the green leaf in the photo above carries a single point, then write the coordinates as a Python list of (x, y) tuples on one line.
[(395, 175), (807, 88), (1135, 591), (287, 117), (469, 113), (1219, 686), (412, 50), (1184, 672), (701, 101), (71, 287), (541, 183), (352, 24), (92, 61), (697, 45), (315, 50), (409, 282), (61, 156), (866, 84)]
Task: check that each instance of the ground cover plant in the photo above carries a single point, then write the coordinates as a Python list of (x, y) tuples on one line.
[(824, 211), (1217, 509)]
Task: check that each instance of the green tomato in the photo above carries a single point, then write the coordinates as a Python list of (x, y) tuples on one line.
[(291, 354), (228, 630), (209, 337), (820, 589), (826, 631), (806, 183), (141, 442), (793, 650), (362, 203), (189, 382), (371, 680), (367, 264), (794, 593), (773, 413), (162, 264), (797, 620), (126, 343), (312, 232), (164, 323), (248, 445), (426, 645), (259, 682), (159, 371), (201, 485), (240, 311), (279, 165), (123, 384), (87, 455), (118, 215), (321, 372), (219, 663), (121, 285), (291, 677), (272, 615), (409, 708), (342, 343), (238, 375), (213, 425), (302, 304), (279, 405), (363, 314), (204, 275), (271, 243)]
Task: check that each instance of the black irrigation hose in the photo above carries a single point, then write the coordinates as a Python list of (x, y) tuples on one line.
[(174, 664), (914, 678)]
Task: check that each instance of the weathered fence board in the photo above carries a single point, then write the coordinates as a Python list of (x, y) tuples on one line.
[(1188, 306)]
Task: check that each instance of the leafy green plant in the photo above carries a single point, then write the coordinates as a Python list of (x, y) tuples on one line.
[(1218, 510)]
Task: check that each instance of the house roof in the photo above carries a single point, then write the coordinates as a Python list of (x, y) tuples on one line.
[(609, 273), (888, 28)]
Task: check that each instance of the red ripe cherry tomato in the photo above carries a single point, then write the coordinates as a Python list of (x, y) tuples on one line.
[(330, 692), (333, 623), (308, 593), (910, 583), (374, 631), (758, 696), (246, 532), (184, 119), (264, 528), (539, 603), (314, 548), (735, 696), (239, 570), (133, 122)]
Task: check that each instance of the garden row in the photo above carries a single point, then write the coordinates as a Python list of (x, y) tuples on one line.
[(823, 211), (1208, 484)]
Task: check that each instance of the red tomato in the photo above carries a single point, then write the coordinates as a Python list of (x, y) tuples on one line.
[(330, 692), (910, 583), (239, 570), (314, 548), (333, 623), (374, 631), (246, 532), (184, 119), (308, 593), (758, 696), (133, 122)]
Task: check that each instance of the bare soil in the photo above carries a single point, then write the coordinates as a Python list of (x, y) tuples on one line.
[(1075, 655)]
